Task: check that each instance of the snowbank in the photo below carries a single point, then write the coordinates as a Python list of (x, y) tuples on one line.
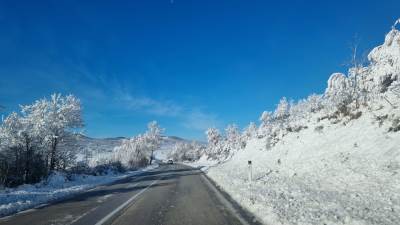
[(56, 187), (342, 174)]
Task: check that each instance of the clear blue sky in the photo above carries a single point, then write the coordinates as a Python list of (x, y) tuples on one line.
[(188, 64)]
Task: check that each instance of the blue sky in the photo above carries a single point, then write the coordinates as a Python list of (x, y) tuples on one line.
[(187, 64)]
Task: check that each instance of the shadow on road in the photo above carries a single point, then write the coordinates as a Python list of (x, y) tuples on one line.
[(126, 185)]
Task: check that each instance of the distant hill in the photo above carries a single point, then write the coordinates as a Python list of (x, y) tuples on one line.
[(95, 147)]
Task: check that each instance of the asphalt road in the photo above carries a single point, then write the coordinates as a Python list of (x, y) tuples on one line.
[(171, 194)]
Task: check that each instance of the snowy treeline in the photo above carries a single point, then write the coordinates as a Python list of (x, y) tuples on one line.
[(186, 151), (32, 141), (363, 87), (135, 152), (222, 146)]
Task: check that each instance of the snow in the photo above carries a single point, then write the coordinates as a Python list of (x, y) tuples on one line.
[(56, 187), (385, 60), (167, 145), (336, 169), (342, 175)]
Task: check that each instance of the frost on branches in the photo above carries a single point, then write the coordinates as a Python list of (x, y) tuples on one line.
[(138, 151), (186, 151), (31, 141)]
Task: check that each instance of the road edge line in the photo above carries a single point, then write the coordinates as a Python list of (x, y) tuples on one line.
[(230, 203)]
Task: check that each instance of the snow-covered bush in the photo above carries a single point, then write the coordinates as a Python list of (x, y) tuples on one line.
[(138, 151), (185, 151)]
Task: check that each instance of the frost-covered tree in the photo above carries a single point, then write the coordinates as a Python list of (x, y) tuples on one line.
[(267, 120), (281, 116), (153, 136), (338, 94), (30, 139), (314, 103), (214, 139), (138, 151), (183, 151), (57, 117), (22, 139), (282, 109), (250, 131), (233, 141), (133, 152)]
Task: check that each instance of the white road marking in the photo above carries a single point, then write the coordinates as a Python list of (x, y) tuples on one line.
[(84, 214), (103, 198), (106, 218), (132, 185)]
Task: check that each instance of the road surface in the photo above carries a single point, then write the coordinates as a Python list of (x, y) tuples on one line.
[(171, 194)]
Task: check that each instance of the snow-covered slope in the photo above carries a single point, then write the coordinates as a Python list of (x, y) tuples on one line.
[(339, 168), (95, 147), (328, 173)]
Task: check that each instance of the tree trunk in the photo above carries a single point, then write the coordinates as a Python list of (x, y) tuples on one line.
[(53, 154), (27, 161), (17, 161), (151, 156)]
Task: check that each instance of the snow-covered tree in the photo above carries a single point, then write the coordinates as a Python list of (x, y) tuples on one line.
[(133, 152), (183, 151), (21, 134), (138, 151), (266, 119), (250, 131), (30, 140), (338, 94), (282, 109), (314, 103), (233, 141), (153, 136), (57, 118), (214, 139)]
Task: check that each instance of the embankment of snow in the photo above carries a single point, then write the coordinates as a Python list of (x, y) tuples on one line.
[(344, 173)]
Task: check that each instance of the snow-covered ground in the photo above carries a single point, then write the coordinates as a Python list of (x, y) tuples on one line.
[(95, 147), (56, 187), (339, 170), (340, 175)]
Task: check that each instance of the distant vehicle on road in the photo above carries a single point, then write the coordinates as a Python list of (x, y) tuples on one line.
[(170, 161)]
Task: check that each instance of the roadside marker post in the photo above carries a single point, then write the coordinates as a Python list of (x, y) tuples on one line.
[(249, 164), (250, 171)]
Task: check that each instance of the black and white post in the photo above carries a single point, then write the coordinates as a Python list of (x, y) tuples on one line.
[(249, 164)]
